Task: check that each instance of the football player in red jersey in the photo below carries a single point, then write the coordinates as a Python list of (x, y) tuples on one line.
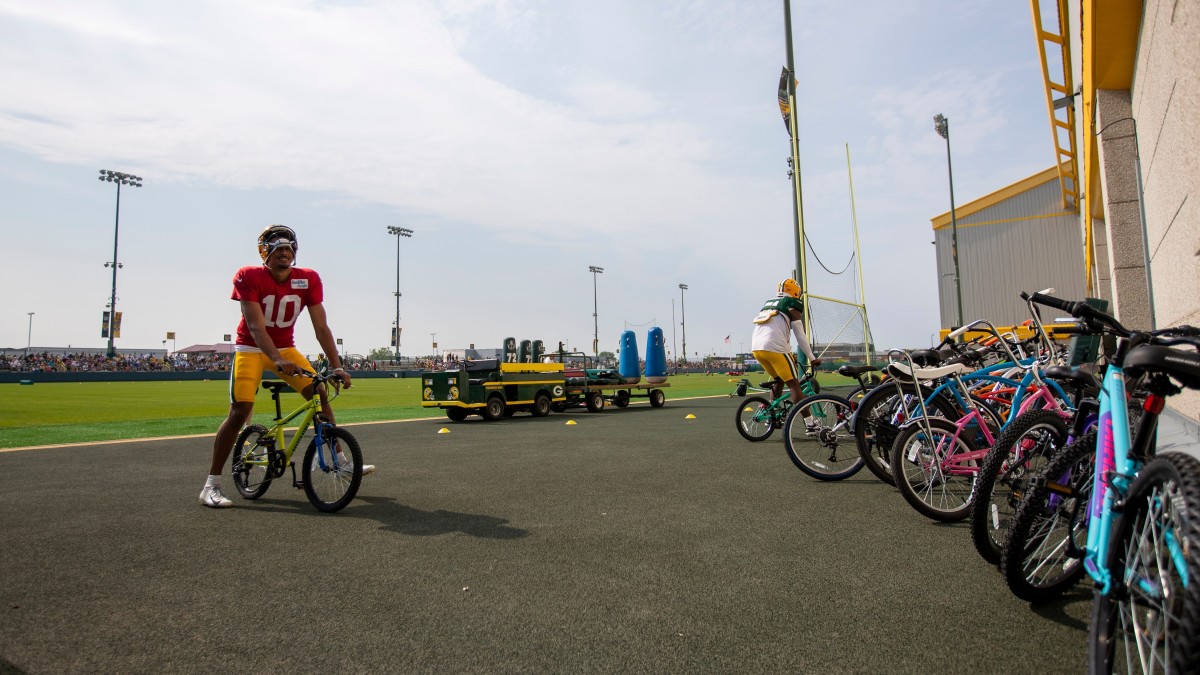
[(272, 296)]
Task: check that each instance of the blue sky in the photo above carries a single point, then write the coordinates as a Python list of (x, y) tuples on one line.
[(521, 141)]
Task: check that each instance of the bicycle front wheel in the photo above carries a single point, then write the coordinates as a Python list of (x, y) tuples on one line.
[(754, 419), (1043, 556), (251, 461), (331, 485), (1021, 452), (929, 469), (818, 439), (1150, 621)]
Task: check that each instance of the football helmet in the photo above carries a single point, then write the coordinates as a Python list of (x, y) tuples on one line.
[(275, 236), (789, 288)]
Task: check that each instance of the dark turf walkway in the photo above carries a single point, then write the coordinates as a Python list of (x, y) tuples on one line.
[(634, 541)]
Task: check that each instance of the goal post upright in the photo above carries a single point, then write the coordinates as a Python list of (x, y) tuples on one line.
[(862, 287)]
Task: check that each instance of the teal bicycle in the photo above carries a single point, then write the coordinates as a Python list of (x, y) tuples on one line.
[(331, 469), (1141, 512), (758, 417)]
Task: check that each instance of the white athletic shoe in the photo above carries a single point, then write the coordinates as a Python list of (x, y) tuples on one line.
[(345, 461), (212, 496)]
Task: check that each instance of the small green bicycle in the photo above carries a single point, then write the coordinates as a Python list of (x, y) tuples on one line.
[(758, 417), (332, 466)]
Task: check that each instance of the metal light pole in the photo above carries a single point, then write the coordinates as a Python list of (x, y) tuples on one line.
[(29, 336), (120, 179), (683, 320), (942, 126), (674, 338), (399, 232), (595, 311), (433, 342)]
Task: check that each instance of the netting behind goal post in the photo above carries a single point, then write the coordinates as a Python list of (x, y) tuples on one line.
[(838, 327)]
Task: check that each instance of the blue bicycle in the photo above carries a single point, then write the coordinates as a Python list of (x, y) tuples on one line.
[(1141, 513)]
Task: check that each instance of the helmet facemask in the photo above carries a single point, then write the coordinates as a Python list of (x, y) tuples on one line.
[(275, 237)]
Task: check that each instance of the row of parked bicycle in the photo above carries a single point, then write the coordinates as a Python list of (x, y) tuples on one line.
[(1054, 464)]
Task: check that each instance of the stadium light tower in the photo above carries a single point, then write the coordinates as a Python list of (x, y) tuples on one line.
[(399, 232), (595, 311), (29, 336), (942, 126), (683, 320), (120, 179)]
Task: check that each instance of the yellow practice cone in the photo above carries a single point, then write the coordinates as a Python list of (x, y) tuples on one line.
[(570, 422), (443, 430), (690, 417)]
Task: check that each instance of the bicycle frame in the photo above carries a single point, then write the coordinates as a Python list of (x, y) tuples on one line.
[(1115, 470), (307, 412)]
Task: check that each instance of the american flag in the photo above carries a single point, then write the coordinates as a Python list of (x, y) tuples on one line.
[(727, 338)]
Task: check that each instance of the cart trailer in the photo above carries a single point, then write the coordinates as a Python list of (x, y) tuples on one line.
[(492, 389)]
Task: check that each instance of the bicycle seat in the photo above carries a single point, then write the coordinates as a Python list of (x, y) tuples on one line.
[(855, 371), (926, 357), (905, 372), (275, 386), (1181, 365), (1077, 375)]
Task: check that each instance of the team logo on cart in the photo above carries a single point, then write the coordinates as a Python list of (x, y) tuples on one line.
[(453, 394)]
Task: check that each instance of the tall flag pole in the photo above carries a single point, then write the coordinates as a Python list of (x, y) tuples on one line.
[(787, 106)]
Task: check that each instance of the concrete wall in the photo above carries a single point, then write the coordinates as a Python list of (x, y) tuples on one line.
[(1165, 101)]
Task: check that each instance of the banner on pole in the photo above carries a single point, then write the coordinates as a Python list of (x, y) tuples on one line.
[(785, 108), (116, 325)]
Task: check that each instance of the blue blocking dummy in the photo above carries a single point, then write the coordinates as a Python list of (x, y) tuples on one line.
[(656, 357), (628, 366)]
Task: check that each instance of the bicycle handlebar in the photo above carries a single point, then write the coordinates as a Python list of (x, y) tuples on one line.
[(1081, 311)]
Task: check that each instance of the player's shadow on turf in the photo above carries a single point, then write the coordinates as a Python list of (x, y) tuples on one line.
[(397, 517), (403, 519)]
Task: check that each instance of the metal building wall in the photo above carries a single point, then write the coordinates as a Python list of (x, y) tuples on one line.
[(1023, 243)]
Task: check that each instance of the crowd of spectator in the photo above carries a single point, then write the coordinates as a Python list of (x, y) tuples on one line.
[(47, 362), (62, 363)]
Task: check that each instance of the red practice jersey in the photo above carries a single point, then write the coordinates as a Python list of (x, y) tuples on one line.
[(281, 303)]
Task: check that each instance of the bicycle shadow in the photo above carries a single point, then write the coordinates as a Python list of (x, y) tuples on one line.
[(1056, 610), (402, 519)]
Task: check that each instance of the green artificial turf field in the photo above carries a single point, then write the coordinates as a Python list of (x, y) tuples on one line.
[(52, 413)]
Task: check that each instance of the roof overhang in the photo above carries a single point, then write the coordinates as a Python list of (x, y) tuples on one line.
[(996, 197), (1110, 36)]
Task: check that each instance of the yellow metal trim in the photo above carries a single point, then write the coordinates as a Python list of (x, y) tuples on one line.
[(1062, 122), (1022, 332), (450, 404), (531, 367), (501, 385), (1110, 36), (996, 197), (1010, 220)]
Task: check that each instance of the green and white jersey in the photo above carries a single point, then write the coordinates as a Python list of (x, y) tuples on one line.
[(777, 305), (772, 327)]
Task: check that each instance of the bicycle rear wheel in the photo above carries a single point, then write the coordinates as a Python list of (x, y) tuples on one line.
[(330, 488), (1043, 555), (818, 440), (1150, 621), (1021, 452), (877, 420), (251, 461), (932, 481), (754, 419)]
